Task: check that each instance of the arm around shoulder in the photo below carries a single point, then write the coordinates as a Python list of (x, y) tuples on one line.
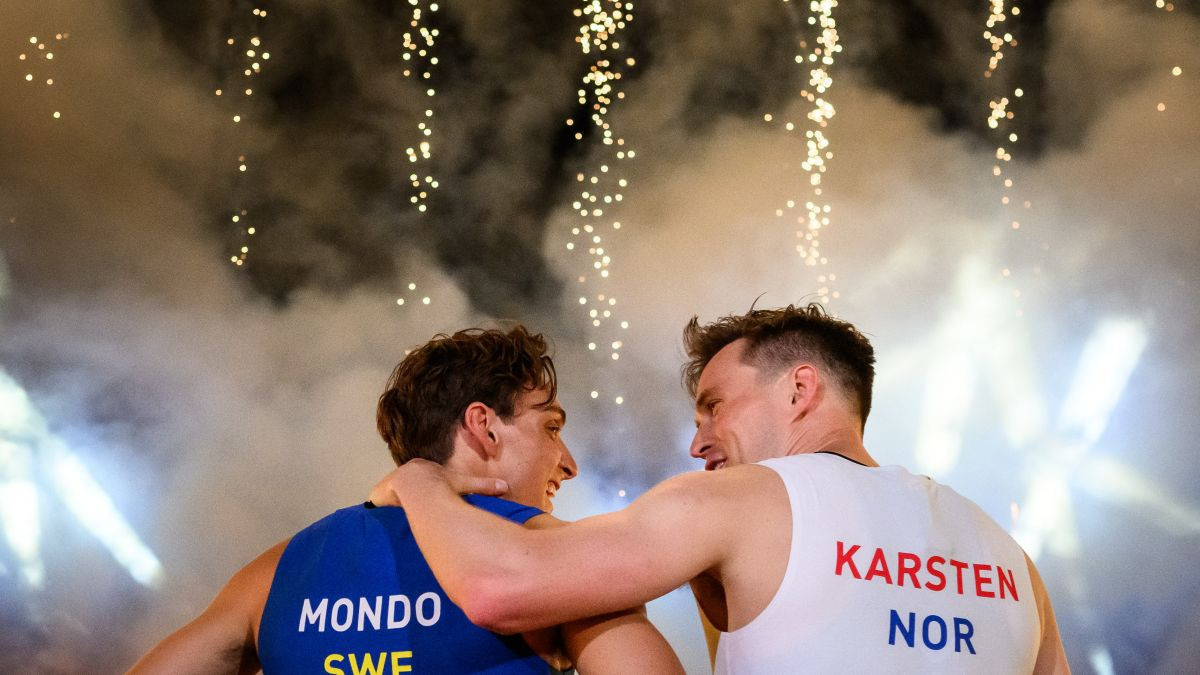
[(222, 638), (522, 579)]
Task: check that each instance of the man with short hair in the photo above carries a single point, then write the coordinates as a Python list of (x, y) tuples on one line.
[(352, 592), (798, 545)]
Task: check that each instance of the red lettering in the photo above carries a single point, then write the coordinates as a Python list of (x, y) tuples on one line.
[(879, 567), (929, 563), (981, 580), (959, 566), (846, 557), (1007, 581), (909, 564)]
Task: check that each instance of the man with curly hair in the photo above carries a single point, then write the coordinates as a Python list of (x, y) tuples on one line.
[(352, 593)]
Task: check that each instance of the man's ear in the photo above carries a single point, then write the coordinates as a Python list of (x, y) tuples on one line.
[(804, 383), (477, 423)]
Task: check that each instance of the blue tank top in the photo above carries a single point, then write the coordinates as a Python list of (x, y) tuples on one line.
[(352, 595)]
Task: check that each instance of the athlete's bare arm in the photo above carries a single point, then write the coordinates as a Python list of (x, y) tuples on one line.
[(222, 639), (1051, 658), (621, 642), (624, 642), (511, 579)]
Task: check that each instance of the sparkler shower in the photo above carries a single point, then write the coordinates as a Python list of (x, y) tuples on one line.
[(221, 224)]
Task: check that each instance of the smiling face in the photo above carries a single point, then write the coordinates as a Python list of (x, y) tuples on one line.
[(741, 416), (532, 456)]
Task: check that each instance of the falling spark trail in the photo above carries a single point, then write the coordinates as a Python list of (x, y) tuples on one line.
[(419, 63), (38, 62), (819, 61), (999, 121), (251, 53), (602, 187), (420, 60)]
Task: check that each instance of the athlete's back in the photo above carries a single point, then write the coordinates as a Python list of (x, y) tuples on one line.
[(888, 572), (353, 594)]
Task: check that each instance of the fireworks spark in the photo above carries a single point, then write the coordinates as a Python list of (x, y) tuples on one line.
[(819, 61), (602, 187), (39, 65), (419, 64), (250, 56), (1000, 120)]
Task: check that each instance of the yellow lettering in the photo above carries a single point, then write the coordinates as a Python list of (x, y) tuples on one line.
[(329, 664), (368, 666), (397, 667)]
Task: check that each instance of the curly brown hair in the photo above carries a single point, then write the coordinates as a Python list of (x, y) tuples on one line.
[(779, 338), (428, 392)]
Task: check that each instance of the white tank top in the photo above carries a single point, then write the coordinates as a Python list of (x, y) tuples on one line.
[(888, 572)]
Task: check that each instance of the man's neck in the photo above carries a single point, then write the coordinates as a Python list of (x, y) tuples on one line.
[(840, 440)]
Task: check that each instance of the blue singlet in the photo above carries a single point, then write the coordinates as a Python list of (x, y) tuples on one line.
[(352, 595)]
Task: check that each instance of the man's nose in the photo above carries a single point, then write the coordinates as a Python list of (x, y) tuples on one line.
[(568, 465), (700, 445)]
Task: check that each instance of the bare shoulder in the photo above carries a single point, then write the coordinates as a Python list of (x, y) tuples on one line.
[(740, 488), (223, 637), (715, 506), (252, 584), (544, 521), (256, 577)]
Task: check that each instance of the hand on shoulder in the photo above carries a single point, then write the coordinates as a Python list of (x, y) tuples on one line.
[(421, 474)]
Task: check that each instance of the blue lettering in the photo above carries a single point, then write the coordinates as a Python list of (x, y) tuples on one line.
[(933, 618), (907, 632), (963, 630), (934, 633)]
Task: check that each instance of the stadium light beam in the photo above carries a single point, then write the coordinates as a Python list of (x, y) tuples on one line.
[(26, 442)]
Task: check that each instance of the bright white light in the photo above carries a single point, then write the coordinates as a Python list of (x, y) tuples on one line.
[(1046, 517), (1108, 359), (1101, 661), (947, 401), (14, 407), (1008, 361), (22, 527), (95, 510), (25, 440), (1117, 482)]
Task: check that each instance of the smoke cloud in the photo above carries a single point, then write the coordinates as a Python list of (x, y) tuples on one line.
[(225, 407)]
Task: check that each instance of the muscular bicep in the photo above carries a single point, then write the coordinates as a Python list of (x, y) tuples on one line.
[(621, 642), (214, 642), (614, 561)]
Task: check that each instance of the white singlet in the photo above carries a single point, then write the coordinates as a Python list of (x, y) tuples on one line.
[(888, 572)]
